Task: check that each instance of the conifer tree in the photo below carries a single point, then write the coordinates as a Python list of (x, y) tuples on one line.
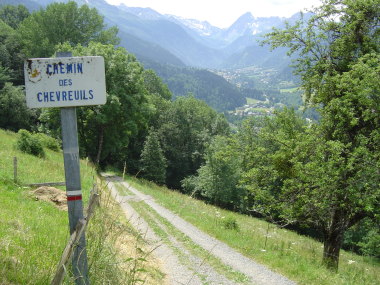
[(153, 162)]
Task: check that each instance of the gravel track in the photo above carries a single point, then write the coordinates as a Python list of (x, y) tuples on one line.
[(180, 274)]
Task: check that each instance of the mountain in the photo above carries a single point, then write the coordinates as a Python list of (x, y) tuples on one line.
[(142, 13), (247, 24), (178, 41), (202, 84), (178, 48), (30, 4)]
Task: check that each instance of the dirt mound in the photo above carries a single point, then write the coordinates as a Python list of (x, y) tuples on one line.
[(52, 195)]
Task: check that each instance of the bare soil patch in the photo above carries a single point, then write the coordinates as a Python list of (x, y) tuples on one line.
[(52, 195)]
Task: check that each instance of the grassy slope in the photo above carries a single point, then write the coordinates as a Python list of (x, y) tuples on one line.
[(295, 256), (33, 233)]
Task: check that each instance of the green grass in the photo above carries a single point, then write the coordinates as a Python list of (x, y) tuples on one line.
[(33, 233), (253, 101), (290, 90), (163, 228), (295, 256)]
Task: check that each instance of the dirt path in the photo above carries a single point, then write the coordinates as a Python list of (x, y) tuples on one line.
[(199, 272)]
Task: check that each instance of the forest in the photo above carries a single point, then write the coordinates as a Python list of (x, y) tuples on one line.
[(320, 177)]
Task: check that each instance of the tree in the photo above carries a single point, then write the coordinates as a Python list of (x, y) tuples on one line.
[(14, 114), (158, 97), (268, 144), (11, 58), (4, 76), (184, 130), (217, 180), (63, 22), (335, 184), (154, 85), (152, 162), (14, 15)]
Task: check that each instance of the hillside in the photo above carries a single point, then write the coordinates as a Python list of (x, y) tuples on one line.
[(283, 251), (34, 232), (173, 46), (202, 84)]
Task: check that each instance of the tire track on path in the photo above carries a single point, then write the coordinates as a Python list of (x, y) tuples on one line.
[(257, 273)]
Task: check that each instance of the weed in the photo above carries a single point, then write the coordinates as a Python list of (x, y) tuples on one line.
[(230, 223)]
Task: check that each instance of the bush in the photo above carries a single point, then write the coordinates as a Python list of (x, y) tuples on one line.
[(230, 223), (30, 144), (48, 142)]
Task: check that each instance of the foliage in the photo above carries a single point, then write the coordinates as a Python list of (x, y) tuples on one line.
[(11, 57), (333, 183), (48, 142), (14, 114), (13, 15), (217, 180), (153, 162), (155, 86), (184, 130), (230, 223), (63, 22), (30, 144), (4, 76), (364, 238), (268, 146)]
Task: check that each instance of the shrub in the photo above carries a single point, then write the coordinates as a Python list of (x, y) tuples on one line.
[(48, 142), (230, 223), (30, 144)]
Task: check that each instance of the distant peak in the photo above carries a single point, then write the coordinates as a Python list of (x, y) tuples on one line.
[(246, 16)]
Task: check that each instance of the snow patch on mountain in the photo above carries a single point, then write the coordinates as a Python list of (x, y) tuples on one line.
[(202, 28)]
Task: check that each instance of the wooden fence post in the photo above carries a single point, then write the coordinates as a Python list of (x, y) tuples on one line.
[(75, 239), (15, 169), (125, 166)]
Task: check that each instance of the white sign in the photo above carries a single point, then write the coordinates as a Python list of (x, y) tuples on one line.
[(65, 81)]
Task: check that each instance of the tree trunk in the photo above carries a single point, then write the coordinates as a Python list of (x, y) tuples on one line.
[(100, 146), (333, 240)]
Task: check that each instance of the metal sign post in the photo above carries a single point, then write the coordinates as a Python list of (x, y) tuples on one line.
[(74, 189), (67, 82)]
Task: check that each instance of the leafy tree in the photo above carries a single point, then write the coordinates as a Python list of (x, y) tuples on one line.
[(364, 238), (153, 163), (185, 129), (14, 114), (13, 15), (154, 85), (335, 185), (217, 180), (158, 97), (4, 76), (268, 145), (63, 22), (11, 58)]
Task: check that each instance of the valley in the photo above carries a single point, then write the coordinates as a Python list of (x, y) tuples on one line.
[(186, 53), (210, 123)]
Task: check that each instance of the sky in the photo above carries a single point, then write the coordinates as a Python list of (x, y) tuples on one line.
[(222, 13)]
